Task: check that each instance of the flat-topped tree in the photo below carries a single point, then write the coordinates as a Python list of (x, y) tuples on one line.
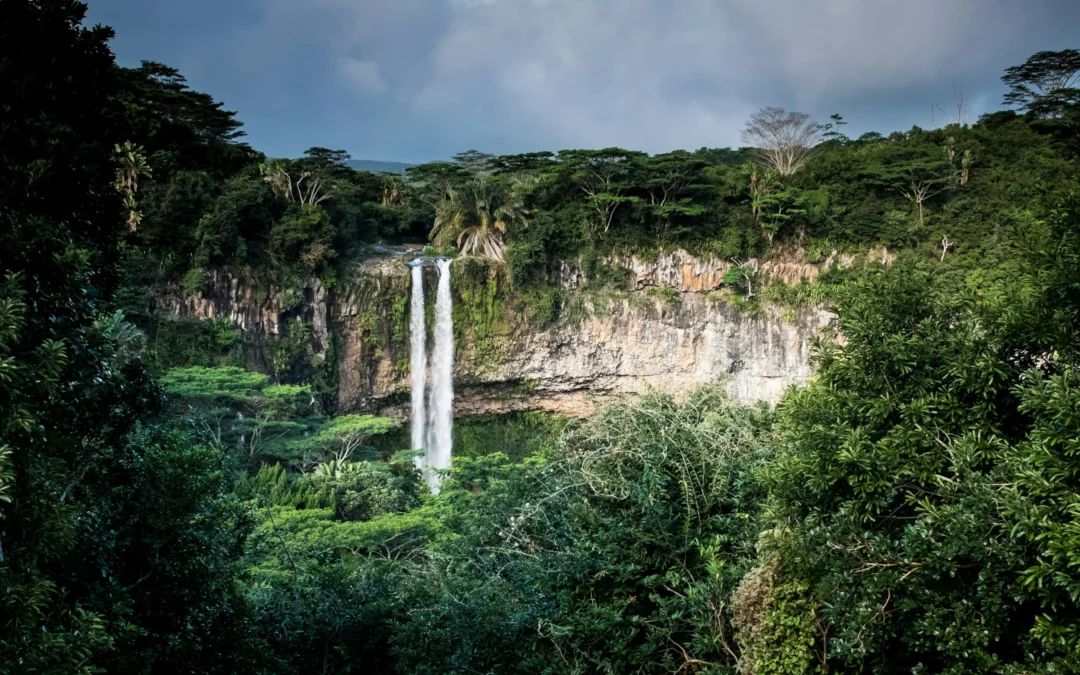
[(919, 173), (233, 407), (1044, 80), (669, 180), (606, 178), (337, 438)]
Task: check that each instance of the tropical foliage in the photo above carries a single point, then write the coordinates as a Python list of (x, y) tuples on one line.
[(911, 510), (476, 216)]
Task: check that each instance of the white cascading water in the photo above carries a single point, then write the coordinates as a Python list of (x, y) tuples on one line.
[(432, 424), (442, 373), (418, 361)]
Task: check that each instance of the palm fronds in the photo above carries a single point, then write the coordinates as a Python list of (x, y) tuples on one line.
[(476, 215)]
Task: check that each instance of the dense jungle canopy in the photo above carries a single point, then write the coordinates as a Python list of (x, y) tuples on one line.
[(163, 509)]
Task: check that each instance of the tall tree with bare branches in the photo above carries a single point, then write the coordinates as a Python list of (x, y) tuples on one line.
[(784, 140)]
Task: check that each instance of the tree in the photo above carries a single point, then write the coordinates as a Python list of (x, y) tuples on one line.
[(762, 184), (526, 162), (776, 208), (60, 406), (161, 554), (831, 130), (604, 177), (741, 275), (928, 475), (229, 407), (304, 237), (784, 140), (475, 163), (181, 129), (74, 391), (1042, 77), (918, 173), (131, 166), (476, 216), (623, 546), (667, 179), (887, 489), (244, 211), (336, 439), (308, 181)]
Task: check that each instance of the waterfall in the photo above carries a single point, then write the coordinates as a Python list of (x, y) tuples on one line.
[(432, 423), (442, 374), (418, 360)]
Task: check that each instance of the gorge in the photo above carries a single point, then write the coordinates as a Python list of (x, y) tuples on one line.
[(210, 355)]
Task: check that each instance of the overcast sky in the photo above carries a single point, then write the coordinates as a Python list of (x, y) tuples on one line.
[(416, 80)]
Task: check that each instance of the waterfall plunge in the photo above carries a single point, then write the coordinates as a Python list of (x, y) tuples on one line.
[(436, 439), (442, 372), (418, 360)]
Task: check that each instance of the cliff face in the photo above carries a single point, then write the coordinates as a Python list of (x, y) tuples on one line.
[(631, 341)]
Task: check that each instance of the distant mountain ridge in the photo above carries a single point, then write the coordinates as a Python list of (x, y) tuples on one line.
[(376, 166)]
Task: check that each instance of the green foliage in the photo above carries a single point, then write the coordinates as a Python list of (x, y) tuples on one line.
[(314, 608), (741, 277), (190, 342), (775, 624), (338, 438), (925, 468), (480, 316), (288, 351), (160, 555), (362, 491), (802, 294), (209, 386), (229, 407), (777, 208), (476, 215), (541, 305), (1046, 500), (666, 294), (1037, 84), (913, 509), (518, 435), (72, 382), (622, 547), (302, 239)]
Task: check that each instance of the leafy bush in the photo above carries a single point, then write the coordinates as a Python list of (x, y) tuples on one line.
[(194, 281), (622, 547), (666, 294)]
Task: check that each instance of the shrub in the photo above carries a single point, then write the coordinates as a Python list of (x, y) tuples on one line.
[(194, 281), (666, 294)]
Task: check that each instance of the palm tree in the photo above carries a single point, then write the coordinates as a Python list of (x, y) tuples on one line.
[(476, 215), (132, 164)]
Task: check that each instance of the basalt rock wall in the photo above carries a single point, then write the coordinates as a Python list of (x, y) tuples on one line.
[(637, 340)]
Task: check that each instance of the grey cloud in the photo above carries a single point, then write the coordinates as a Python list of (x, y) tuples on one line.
[(648, 74)]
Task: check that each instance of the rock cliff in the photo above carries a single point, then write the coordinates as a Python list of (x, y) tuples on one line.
[(630, 341)]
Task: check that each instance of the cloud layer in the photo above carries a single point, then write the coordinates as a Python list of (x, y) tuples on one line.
[(436, 76)]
